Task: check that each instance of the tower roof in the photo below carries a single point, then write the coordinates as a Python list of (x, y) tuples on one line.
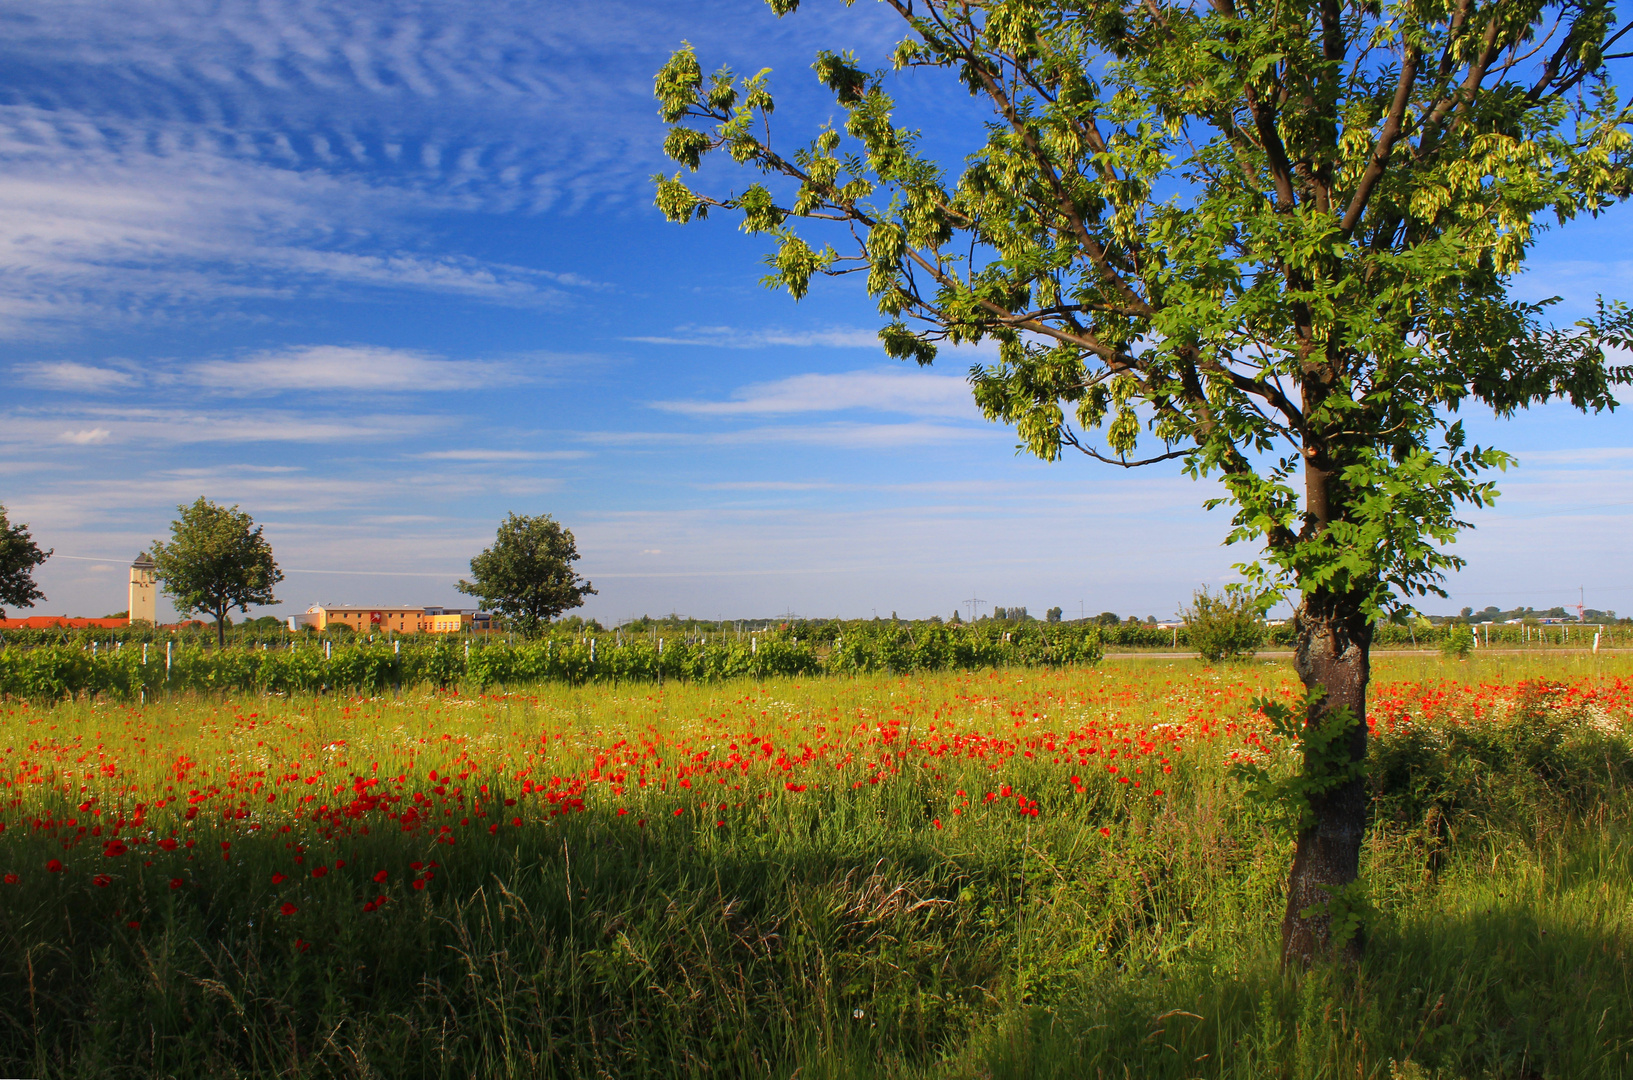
[(144, 561)]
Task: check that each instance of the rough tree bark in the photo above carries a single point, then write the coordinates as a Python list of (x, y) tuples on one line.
[(1333, 653)]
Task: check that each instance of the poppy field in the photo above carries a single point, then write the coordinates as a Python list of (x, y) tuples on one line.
[(998, 873)]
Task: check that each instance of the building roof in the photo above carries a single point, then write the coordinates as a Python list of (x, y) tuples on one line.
[(144, 561), (65, 622), (365, 607)]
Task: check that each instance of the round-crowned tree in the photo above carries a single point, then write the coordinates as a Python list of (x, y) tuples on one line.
[(1223, 626), (1272, 242), (216, 560), (527, 575), (19, 555)]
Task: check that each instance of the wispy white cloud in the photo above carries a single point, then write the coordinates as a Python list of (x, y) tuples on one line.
[(731, 337), (479, 454), (86, 436), (837, 435), (315, 369), (1587, 455), (78, 378), (322, 368), (768, 485), (887, 390), (157, 427), (110, 227)]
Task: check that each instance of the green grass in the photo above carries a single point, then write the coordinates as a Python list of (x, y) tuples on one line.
[(836, 931)]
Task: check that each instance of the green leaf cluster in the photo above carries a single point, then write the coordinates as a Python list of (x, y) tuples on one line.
[(216, 560), (1273, 242), (1224, 626), (527, 575), (19, 555), (1320, 738)]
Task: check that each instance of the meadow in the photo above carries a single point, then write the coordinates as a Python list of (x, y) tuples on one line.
[(1001, 873)]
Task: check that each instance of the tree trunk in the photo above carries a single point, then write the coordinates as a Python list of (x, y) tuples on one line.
[(1334, 639)]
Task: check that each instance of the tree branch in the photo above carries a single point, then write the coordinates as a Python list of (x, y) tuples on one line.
[(1386, 142)]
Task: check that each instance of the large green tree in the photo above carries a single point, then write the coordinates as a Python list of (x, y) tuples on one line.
[(527, 575), (216, 560), (19, 555), (1271, 241)]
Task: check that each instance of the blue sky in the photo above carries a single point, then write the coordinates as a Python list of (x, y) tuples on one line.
[(383, 272)]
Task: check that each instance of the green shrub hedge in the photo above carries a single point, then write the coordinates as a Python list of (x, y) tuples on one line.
[(55, 671)]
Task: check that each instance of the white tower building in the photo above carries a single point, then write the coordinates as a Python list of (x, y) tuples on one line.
[(144, 587)]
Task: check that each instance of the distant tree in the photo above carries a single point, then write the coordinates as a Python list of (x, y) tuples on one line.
[(217, 560), (1459, 641), (1109, 618), (1053, 614), (955, 620), (1223, 626), (19, 555), (527, 575), (1271, 241)]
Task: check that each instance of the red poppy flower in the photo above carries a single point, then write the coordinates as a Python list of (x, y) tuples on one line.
[(1105, 832), (381, 875), (102, 881), (288, 908), (319, 871), (176, 883), (11, 879), (278, 878), (134, 925)]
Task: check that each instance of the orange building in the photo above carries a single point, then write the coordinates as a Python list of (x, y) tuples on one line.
[(365, 620), (401, 620)]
